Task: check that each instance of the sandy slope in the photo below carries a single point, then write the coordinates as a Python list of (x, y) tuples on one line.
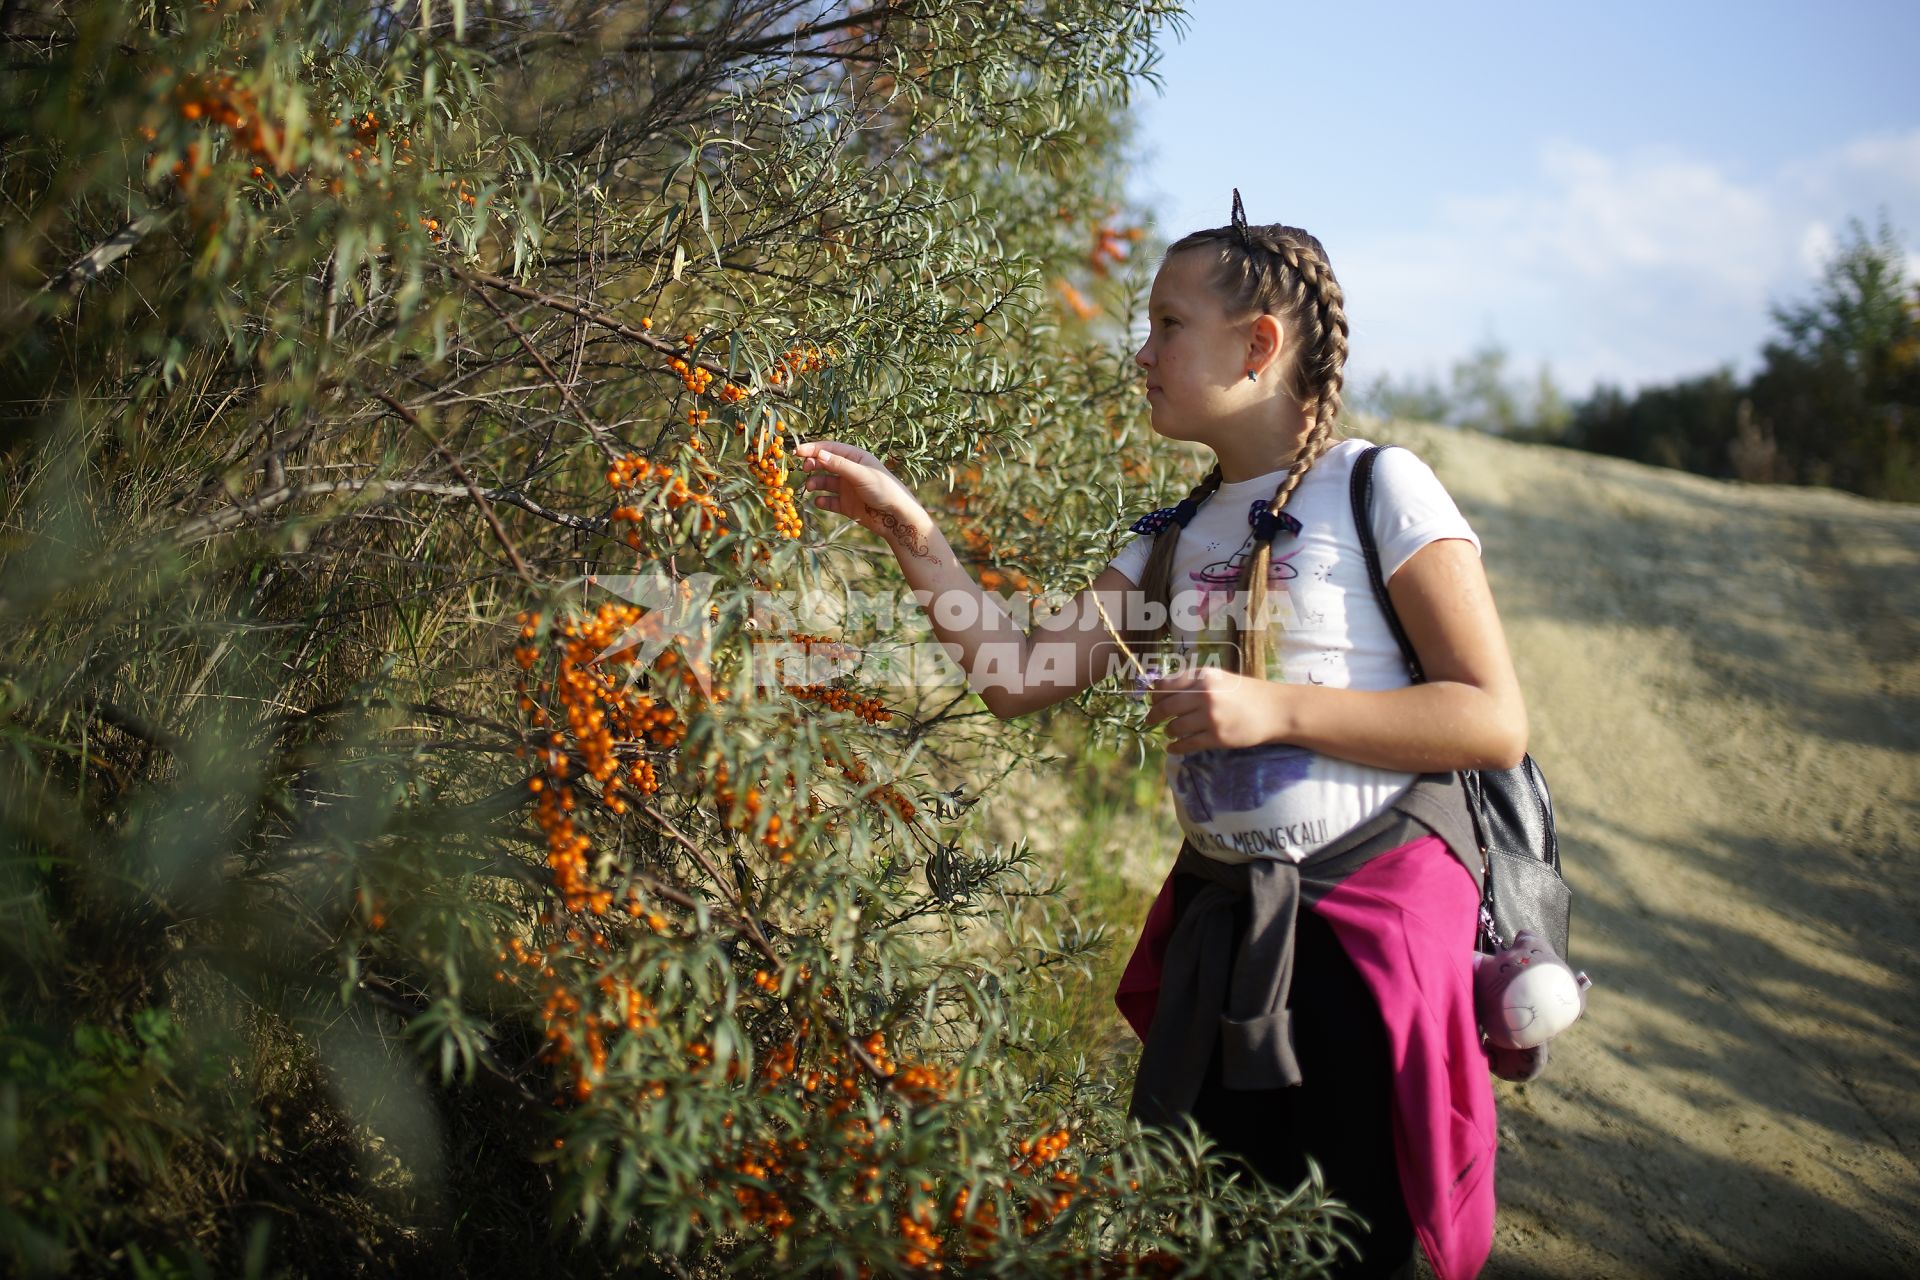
[(1723, 683)]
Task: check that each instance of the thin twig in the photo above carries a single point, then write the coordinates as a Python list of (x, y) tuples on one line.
[(1140, 670), (486, 508), (668, 827), (594, 316), (227, 517), (599, 433)]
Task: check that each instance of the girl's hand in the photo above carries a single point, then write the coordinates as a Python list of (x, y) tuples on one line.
[(1211, 708), (858, 485)]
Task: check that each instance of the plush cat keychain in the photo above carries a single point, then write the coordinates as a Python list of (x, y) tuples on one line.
[(1525, 995)]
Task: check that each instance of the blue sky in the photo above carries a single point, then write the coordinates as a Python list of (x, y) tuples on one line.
[(1617, 191)]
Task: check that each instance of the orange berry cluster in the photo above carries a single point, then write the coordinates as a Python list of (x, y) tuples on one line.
[(743, 816), (669, 664), (921, 1083), (567, 846), (795, 362), (983, 1225), (1076, 300), (599, 714), (374, 907), (1035, 1154), (638, 909), (837, 1088), (768, 1208), (633, 472), (785, 370), (192, 167), (766, 458), (694, 377), (835, 698), (981, 547), (994, 579), (366, 128), (922, 1251), (976, 541), (567, 1025), (1112, 246), (959, 499), (366, 131), (855, 771), (222, 102), (769, 981)]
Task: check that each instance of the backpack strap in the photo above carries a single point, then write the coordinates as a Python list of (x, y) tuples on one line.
[(1361, 492)]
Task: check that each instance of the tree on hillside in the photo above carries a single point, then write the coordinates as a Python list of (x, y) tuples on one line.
[(1834, 401), (1685, 424), (1839, 390), (429, 815)]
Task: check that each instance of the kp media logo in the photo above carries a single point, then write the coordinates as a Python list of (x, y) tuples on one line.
[(678, 615)]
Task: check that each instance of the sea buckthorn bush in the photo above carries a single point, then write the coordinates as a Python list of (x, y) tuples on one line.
[(433, 836)]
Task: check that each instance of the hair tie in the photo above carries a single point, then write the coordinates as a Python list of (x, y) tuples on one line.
[(1268, 524), (1155, 521), (1239, 220)]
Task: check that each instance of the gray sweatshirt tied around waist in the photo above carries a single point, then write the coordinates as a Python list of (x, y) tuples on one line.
[(1206, 991)]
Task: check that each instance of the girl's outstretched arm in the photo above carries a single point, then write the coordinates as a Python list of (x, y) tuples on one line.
[(1469, 713), (1014, 672)]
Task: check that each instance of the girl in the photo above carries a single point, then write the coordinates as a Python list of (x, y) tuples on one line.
[(1306, 770)]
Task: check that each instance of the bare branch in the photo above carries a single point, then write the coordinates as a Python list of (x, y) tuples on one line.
[(593, 316), (599, 433), (227, 517), (92, 264)]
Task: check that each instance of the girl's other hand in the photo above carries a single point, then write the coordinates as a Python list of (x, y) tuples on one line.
[(1211, 708), (848, 479)]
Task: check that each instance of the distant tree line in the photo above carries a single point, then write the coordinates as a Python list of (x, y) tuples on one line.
[(1834, 402)]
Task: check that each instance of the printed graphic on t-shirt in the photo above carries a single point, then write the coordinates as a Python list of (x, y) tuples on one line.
[(1238, 780), (1214, 584), (1214, 787)]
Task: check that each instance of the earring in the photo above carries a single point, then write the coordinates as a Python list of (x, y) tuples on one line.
[(1252, 376)]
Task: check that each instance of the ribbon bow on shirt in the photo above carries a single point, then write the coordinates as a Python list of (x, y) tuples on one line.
[(1266, 526)]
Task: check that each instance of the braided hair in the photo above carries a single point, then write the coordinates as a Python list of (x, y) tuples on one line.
[(1282, 271)]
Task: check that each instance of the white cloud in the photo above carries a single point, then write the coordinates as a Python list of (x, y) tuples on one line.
[(1628, 268), (1817, 246)]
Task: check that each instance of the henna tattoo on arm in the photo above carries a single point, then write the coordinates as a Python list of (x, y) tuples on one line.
[(913, 539)]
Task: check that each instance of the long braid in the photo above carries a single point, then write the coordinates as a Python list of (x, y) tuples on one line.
[(1320, 367)]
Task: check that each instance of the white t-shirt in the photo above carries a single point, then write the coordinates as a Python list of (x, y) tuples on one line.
[(1326, 628)]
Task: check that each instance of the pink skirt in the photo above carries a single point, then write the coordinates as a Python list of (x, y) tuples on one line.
[(1406, 920)]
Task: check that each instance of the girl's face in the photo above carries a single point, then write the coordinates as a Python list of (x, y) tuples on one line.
[(1195, 356)]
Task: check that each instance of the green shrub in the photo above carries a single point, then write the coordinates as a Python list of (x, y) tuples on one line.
[(407, 903)]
